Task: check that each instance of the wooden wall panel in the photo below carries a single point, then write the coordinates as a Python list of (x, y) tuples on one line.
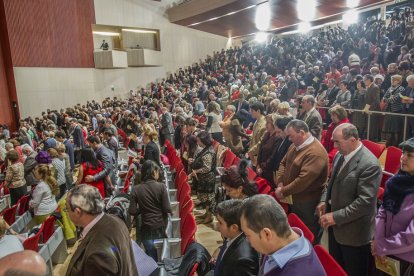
[(50, 33), (9, 110)]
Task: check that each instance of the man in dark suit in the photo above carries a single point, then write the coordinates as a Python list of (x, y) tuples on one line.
[(372, 101), (241, 103), (167, 128), (312, 118), (349, 203), (105, 245), (107, 157), (77, 136), (236, 256)]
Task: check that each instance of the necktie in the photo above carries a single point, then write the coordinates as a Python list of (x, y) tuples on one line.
[(220, 257), (334, 174)]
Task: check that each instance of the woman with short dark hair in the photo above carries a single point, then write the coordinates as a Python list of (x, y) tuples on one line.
[(150, 200)]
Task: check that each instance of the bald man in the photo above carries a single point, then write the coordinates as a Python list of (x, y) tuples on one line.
[(23, 263)]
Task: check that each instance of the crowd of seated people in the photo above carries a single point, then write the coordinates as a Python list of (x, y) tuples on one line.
[(296, 108)]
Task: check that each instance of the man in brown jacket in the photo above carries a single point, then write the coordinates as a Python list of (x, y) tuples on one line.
[(259, 128), (303, 173), (104, 246)]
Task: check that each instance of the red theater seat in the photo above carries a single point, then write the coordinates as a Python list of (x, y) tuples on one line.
[(332, 268), (295, 221)]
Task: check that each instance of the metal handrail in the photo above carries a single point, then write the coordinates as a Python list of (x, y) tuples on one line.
[(369, 113)]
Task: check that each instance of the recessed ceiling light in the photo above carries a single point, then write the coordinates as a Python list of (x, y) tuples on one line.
[(106, 33)]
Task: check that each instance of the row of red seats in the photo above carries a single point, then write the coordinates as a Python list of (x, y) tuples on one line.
[(332, 268), (188, 226)]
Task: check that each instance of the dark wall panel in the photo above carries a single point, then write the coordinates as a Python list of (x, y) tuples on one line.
[(50, 33)]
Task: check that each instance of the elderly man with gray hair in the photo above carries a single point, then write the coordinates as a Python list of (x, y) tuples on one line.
[(29, 165), (105, 247)]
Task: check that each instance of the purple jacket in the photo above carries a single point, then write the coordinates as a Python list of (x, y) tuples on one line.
[(394, 234)]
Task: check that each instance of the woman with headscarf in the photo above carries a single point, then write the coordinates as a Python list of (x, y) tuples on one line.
[(394, 223)]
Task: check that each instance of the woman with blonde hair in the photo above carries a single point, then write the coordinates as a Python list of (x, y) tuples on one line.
[(44, 195), (152, 150), (59, 166), (213, 122), (283, 109)]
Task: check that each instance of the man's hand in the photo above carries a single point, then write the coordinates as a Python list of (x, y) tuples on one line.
[(327, 220), (321, 209), (89, 178), (279, 193)]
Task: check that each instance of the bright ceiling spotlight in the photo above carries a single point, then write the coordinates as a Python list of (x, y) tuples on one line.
[(304, 27), (262, 19), (306, 9), (350, 17), (261, 37), (352, 3)]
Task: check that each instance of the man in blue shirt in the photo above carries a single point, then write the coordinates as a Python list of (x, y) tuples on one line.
[(285, 250)]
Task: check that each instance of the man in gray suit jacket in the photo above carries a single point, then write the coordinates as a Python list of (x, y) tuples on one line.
[(312, 117), (348, 204), (167, 128)]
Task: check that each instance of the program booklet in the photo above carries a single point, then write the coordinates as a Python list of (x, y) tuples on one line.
[(390, 266)]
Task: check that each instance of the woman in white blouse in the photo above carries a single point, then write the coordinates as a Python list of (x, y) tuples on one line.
[(43, 198), (213, 121)]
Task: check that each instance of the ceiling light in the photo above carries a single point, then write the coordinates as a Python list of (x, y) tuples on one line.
[(350, 17), (106, 33), (261, 37), (304, 27), (211, 19), (230, 13), (352, 3), (262, 19), (139, 31), (306, 9)]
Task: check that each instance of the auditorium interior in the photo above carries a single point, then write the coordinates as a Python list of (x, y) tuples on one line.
[(219, 137)]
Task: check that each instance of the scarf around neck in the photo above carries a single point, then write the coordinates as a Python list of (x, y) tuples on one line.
[(397, 188)]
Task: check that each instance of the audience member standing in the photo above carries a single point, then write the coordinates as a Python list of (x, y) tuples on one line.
[(105, 246), (348, 204), (15, 177), (107, 157), (78, 140), (150, 199), (236, 256), (408, 105), (394, 221), (166, 128), (257, 110), (29, 165), (44, 194), (285, 250), (312, 118), (303, 173), (372, 101)]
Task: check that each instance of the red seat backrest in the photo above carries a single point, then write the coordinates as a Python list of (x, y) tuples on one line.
[(48, 229), (32, 243), (9, 215), (188, 230), (185, 190), (332, 268), (228, 158), (263, 186), (186, 206), (393, 160), (380, 194), (22, 205), (295, 221), (375, 148)]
